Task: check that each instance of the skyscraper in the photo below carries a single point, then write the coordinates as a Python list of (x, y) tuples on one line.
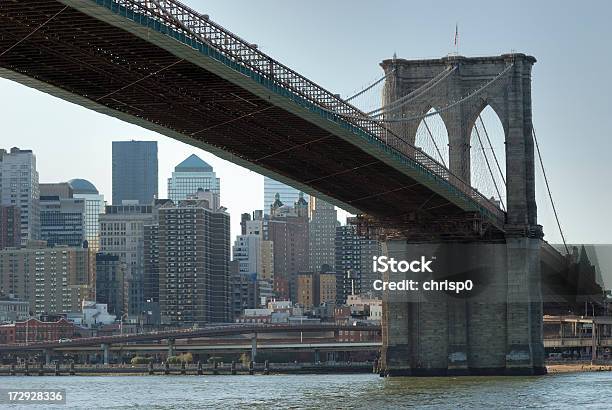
[(247, 251), (151, 263), (254, 260), (194, 254), (10, 227), (353, 266), (122, 234), (288, 231), (287, 194), (134, 171), (259, 226), (109, 282), (191, 175), (322, 234), (347, 262), (19, 187), (62, 220), (94, 206)]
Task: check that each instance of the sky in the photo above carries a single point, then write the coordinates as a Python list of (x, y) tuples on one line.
[(339, 44)]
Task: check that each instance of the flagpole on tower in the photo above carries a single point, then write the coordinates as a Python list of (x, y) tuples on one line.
[(457, 39)]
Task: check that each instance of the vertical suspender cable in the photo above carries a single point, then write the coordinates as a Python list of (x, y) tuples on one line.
[(489, 167), (535, 139), (434, 142), (491, 145)]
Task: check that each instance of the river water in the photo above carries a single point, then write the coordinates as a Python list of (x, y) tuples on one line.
[(577, 390)]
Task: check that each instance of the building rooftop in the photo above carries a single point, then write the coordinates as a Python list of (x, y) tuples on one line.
[(82, 186), (277, 202), (193, 163), (301, 201)]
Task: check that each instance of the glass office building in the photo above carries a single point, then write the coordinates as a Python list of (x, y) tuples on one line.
[(191, 175), (288, 195), (94, 206), (134, 171), (19, 187), (62, 220)]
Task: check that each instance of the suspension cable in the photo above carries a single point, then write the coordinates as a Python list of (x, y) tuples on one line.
[(434, 142), (430, 114), (368, 88), (489, 167), (492, 150), (535, 139), (400, 102)]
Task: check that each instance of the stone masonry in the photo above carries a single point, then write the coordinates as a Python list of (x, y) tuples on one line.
[(497, 327)]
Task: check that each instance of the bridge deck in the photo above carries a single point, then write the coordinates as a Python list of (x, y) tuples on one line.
[(131, 66)]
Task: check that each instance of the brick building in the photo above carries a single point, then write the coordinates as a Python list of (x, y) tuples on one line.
[(34, 330)]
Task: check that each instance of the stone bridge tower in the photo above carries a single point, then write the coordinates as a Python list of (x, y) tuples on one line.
[(497, 327)]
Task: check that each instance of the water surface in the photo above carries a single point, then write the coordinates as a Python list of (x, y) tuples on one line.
[(576, 390)]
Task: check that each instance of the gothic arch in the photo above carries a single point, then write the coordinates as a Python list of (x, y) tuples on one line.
[(508, 94), (488, 155)]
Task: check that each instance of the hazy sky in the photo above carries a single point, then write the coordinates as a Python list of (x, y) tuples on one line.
[(339, 44)]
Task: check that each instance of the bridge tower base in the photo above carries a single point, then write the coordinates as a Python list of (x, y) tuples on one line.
[(493, 329)]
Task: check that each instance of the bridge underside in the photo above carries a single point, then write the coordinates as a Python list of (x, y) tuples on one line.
[(87, 61)]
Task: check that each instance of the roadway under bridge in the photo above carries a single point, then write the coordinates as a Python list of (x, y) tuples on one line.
[(319, 339)]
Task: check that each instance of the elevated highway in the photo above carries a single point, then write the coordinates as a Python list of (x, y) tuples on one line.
[(173, 335)]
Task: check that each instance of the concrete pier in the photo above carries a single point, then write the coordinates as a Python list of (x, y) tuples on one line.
[(497, 327), (254, 347), (490, 330), (105, 352), (171, 350)]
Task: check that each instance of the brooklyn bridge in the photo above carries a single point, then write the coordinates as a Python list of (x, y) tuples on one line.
[(170, 69)]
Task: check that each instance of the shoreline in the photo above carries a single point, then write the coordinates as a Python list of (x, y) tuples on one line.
[(554, 368), (190, 370), (577, 368)]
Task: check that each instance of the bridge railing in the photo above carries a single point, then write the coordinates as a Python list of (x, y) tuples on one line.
[(198, 27)]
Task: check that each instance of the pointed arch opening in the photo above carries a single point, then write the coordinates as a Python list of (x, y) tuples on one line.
[(432, 138), (488, 156)]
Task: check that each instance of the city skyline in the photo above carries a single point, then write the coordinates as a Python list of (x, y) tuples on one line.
[(163, 178)]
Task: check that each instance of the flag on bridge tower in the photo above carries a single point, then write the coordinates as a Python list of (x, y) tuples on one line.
[(456, 35)]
